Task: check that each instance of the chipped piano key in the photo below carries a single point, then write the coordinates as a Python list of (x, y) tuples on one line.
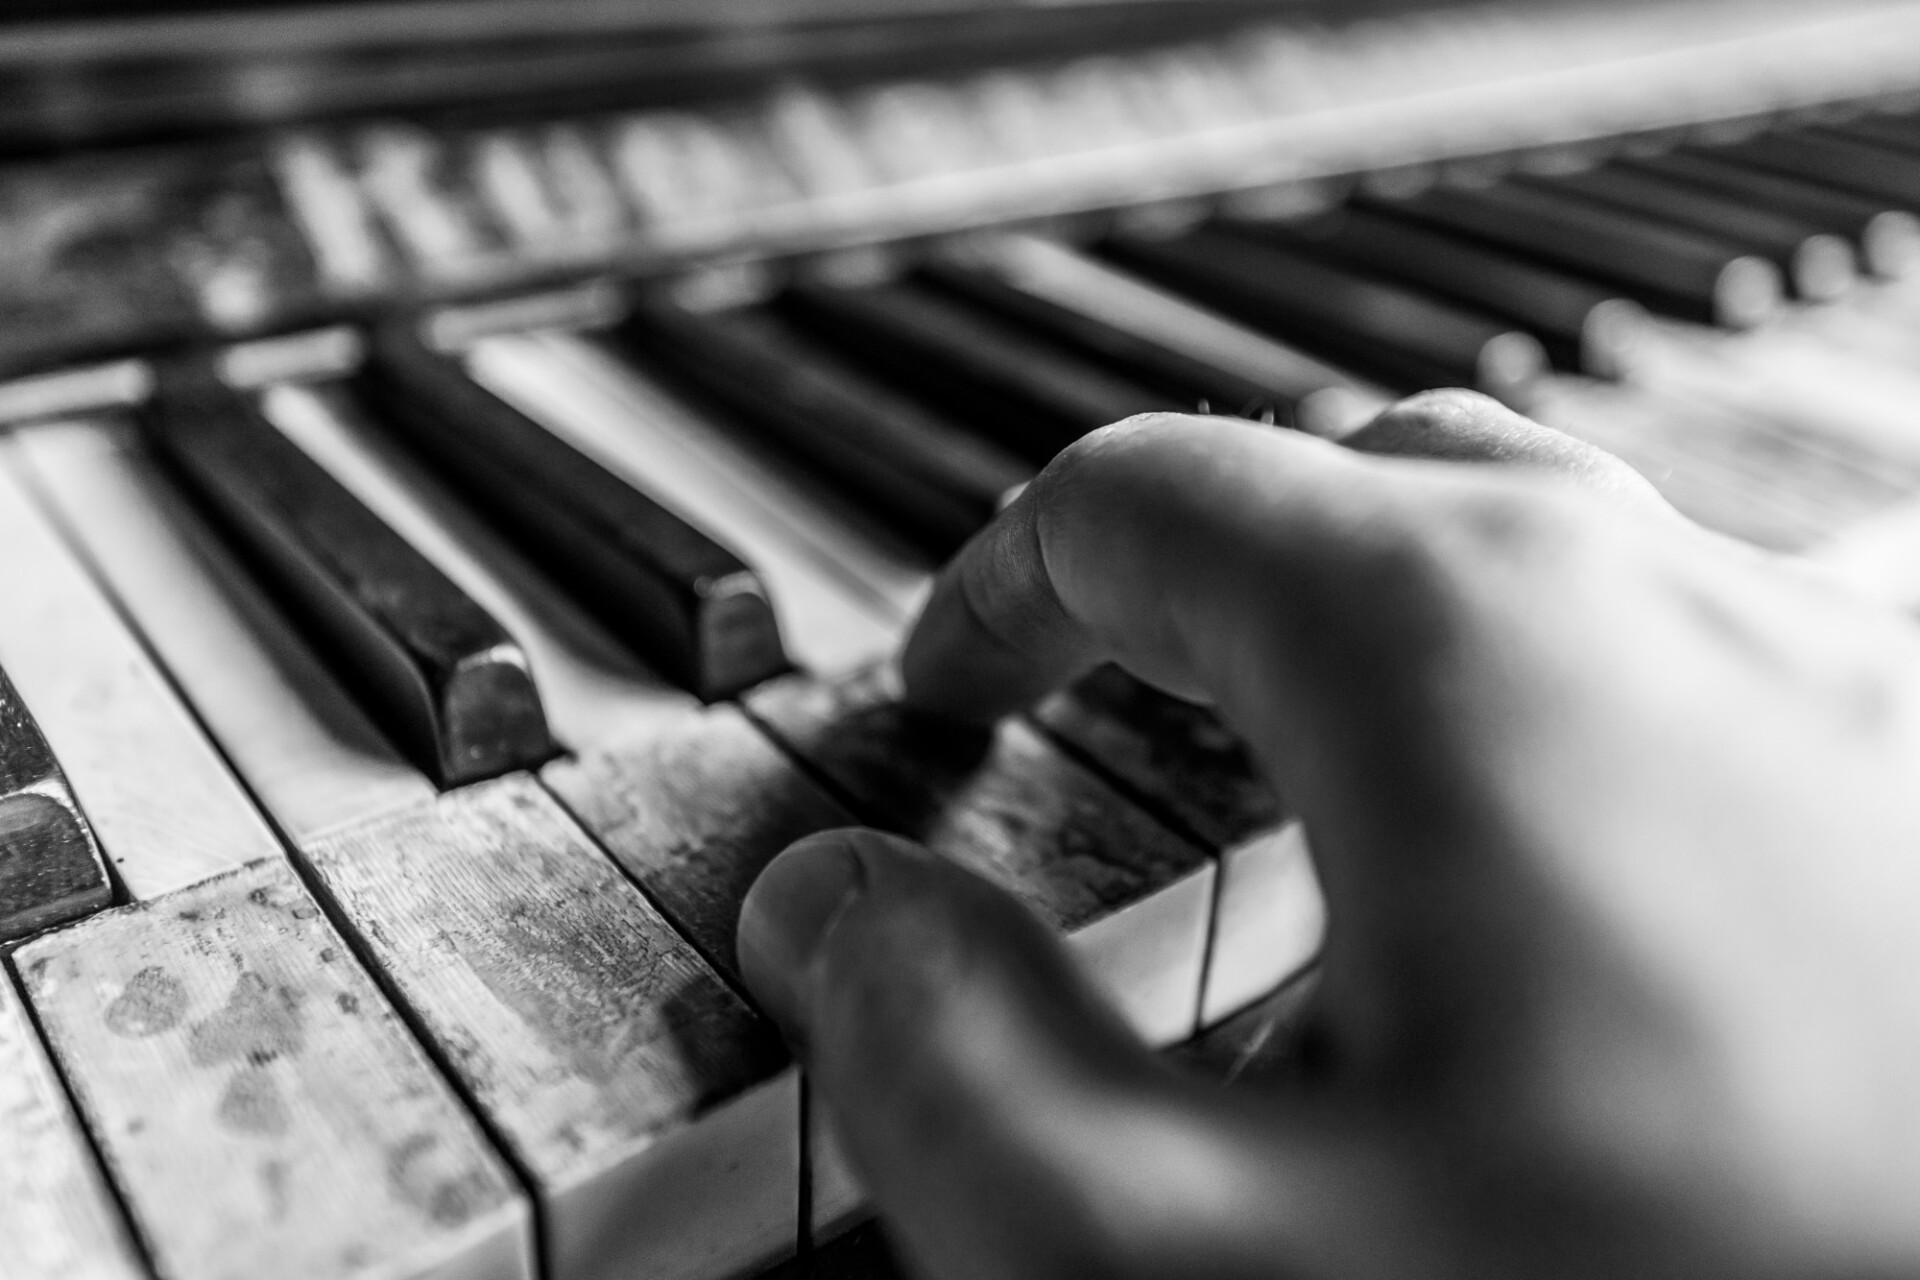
[(259, 1104), (439, 674), (651, 1110), (50, 867), (1181, 764), (58, 1219), (688, 605)]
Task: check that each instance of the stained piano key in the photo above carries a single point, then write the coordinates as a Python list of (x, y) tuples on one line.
[(1183, 350), (652, 1110), (1031, 397), (842, 596), (592, 688), (57, 1216), (1818, 264), (691, 607), (440, 675), (157, 796), (257, 1101), (1583, 325), (50, 867), (1408, 338), (1181, 764), (1886, 236), (1691, 275), (916, 470)]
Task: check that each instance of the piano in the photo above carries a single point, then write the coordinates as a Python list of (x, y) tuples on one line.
[(465, 464)]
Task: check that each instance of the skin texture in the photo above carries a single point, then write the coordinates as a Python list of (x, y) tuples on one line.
[(1620, 836)]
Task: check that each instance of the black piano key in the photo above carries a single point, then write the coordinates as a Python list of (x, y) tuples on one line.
[(1834, 161), (1582, 324), (688, 605), (1887, 236), (1031, 397), (1683, 272), (1183, 376), (1819, 264), (1899, 132), (904, 462), (434, 669), (1405, 337), (51, 870)]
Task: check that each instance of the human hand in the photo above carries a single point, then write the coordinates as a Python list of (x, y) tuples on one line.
[(1619, 829)]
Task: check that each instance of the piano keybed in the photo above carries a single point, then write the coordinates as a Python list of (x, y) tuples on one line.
[(394, 714)]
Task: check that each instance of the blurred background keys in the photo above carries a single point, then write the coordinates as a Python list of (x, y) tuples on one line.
[(1025, 394), (1886, 236), (1583, 325), (682, 601), (435, 670), (1407, 339), (902, 461), (1818, 264), (1691, 275), (50, 867)]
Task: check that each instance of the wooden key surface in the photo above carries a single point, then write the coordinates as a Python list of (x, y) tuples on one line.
[(258, 1102), (441, 675), (58, 1221), (686, 603), (50, 867)]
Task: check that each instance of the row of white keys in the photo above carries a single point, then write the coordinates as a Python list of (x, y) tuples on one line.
[(653, 1112), (843, 596), (259, 1105)]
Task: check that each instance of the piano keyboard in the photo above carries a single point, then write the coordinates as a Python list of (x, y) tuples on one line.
[(394, 717)]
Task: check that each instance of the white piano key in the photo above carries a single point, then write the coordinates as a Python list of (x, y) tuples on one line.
[(594, 692), (309, 754), (163, 804), (840, 598), (58, 1221)]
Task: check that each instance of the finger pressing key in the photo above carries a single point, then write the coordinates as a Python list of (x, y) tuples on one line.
[(438, 673)]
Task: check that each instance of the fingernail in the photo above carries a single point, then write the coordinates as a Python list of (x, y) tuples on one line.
[(785, 917)]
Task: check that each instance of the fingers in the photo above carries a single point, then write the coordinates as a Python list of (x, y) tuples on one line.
[(1463, 426), (1003, 1119)]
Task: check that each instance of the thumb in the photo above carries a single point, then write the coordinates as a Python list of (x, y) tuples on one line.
[(1002, 1117)]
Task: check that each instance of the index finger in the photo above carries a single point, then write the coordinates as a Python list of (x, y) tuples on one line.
[(1173, 545)]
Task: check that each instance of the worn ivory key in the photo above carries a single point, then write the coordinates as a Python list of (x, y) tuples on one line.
[(651, 1109), (257, 1101), (57, 1218), (50, 867)]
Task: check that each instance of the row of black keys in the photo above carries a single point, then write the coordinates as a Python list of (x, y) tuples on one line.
[(925, 399)]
